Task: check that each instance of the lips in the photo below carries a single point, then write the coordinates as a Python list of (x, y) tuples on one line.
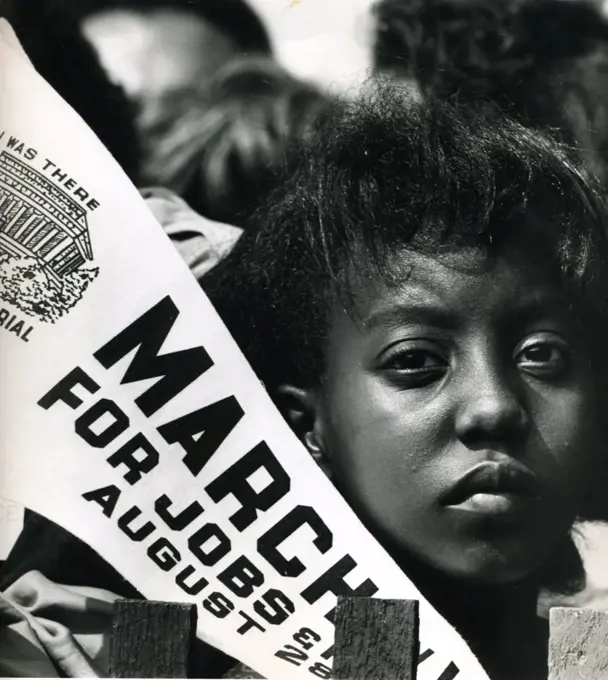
[(494, 489)]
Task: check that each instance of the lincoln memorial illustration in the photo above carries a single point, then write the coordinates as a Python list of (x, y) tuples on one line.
[(41, 221)]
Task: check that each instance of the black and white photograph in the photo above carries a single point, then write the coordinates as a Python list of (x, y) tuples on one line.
[(304, 339)]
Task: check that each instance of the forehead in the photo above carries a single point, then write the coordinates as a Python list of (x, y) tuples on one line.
[(463, 284)]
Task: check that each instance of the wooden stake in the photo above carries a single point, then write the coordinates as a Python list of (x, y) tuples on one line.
[(578, 646), (151, 639), (376, 639)]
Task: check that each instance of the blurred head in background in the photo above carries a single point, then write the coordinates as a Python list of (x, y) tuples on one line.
[(159, 50), (232, 141), (543, 61)]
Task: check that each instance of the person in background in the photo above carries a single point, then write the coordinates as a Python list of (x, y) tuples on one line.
[(161, 50), (544, 62), (54, 41), (229, 147)]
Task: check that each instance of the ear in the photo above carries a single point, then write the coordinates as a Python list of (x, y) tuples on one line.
[(301, 408)]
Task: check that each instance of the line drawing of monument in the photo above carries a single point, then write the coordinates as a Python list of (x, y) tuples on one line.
[(45, 247), (37, 219)]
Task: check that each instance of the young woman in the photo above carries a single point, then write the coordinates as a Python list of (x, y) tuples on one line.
[(425, 301)]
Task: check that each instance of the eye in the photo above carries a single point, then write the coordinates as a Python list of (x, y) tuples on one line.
[(544, 356), (414, 366), (415, 360)]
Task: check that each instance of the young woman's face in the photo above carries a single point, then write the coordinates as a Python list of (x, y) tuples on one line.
[(457, 414)]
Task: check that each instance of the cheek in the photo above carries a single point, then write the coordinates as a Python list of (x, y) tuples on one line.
[(382, 447), (567, 426)]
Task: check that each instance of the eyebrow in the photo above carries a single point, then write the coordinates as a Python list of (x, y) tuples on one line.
[(425, 313), (532, 308)]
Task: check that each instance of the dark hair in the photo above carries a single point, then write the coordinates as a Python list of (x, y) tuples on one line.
[(65, 59), (235, 18), (388, 173), (228, 148), (544, 62)]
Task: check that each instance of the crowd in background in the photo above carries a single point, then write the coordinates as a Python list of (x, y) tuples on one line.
[(188, 95), (192, 103)]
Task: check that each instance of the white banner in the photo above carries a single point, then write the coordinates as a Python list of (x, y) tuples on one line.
[(130, 417)]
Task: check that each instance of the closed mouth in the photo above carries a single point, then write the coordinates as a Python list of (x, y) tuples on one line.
[(494, 488)]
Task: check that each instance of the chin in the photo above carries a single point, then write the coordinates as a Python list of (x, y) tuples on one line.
[(490, 567)]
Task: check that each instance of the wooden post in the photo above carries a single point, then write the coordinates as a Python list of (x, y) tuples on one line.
[(578, 646), (151, 639), (376, 639)]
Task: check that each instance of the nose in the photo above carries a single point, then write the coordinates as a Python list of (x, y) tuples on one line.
[(491, 411)]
